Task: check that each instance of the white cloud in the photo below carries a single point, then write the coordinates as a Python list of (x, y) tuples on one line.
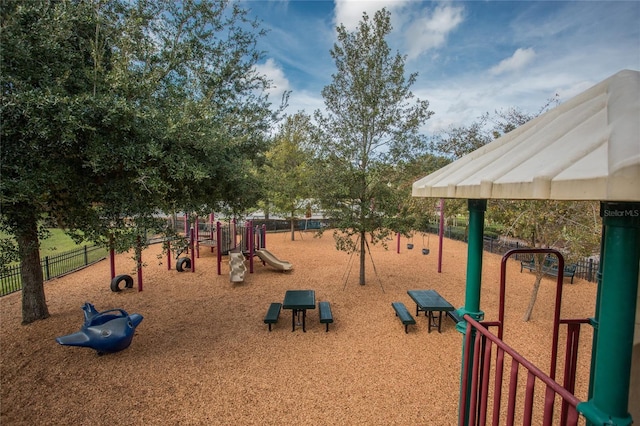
[(279, 82), (349, 12), (303, 100), (517, 61), (430, 30), (422, 28)]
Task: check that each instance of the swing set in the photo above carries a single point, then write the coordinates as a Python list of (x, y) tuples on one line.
[(425, 247)]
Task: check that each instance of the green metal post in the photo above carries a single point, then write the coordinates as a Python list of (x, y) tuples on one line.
[(474, 263), (473, 285), (594, 321), (617, 315)]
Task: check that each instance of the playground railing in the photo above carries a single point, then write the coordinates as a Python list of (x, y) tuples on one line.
[(525, 404)]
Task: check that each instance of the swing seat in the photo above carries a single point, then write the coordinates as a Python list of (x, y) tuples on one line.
[(425, 250)]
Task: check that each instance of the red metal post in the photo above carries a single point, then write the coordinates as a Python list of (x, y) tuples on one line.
[(186, 230), (513, 386), (139, 262), (464, 386), (484, 392), (234, 230), (193, 256), (252, 240), (168, 255), (440, 234), (497, 393), (474, 380), (219, 244), (211, 230), (112, 260), (197, 240)]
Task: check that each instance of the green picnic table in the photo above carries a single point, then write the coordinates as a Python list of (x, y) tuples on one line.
[(430, 301), (299, 301)]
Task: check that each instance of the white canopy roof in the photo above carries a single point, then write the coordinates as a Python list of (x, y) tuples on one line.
[(587, 148)]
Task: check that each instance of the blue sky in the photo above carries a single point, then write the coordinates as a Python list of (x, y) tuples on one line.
[(472, 57)]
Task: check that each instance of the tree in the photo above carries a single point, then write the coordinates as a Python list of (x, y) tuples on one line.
[(130, 108), (287, 170), (371, 122), (413, 213), (573, 227), (454, 142)]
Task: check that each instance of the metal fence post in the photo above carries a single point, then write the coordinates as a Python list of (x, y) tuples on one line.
[(46, 267)]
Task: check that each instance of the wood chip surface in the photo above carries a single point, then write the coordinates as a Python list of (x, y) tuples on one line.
[(203, 356)]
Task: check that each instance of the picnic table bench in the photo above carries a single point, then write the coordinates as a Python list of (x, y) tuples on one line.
[(272, 314), (455, 316), (325, 313), (550, 267), (403, 313)]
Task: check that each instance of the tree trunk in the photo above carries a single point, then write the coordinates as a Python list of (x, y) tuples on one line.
[(293, 229), (34, 305), (534, 295), (363, 235)]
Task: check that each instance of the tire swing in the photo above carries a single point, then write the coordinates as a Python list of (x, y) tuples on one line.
[(182, 263), (115, 282), (425, 250)]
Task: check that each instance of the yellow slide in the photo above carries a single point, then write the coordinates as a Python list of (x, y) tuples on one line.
[(273, 261)]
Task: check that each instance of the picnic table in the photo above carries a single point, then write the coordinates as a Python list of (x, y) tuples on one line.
[(299, 301), (430, 301)]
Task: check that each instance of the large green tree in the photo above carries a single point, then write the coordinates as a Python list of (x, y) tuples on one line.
[(287, 171), (113, 110), (371, 122)]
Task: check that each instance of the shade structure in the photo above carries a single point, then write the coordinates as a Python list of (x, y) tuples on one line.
[(587, 148)]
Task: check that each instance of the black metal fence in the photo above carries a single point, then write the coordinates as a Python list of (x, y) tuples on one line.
[(271, 225), (53, 266), (274, 225), (586, 268)]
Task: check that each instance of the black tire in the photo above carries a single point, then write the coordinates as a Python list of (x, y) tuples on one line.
[(182, 263), (115, 282)]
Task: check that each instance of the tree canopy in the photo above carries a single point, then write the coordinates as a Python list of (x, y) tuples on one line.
[(287, 169), (115, 110), (371, 123)]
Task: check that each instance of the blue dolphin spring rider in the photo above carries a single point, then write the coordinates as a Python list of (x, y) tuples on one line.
[(106, 332)]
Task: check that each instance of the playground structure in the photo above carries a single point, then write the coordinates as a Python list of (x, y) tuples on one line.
[(230, 239), (240, 241), (237, 268), (244, 239), (268, 258), (105, 332)]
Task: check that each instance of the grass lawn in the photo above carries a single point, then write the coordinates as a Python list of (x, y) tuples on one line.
[(58, 242)]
